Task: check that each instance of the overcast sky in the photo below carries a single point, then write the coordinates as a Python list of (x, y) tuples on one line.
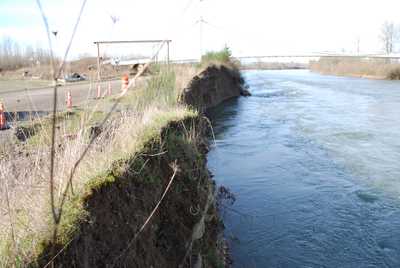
[(250, 27)]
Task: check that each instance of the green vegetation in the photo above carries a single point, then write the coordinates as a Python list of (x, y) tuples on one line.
[(69, 123), (222, 56)]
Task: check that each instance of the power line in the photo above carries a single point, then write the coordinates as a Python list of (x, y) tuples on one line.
[(189, 4)]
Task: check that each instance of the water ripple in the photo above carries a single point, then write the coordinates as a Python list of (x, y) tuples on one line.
[(313, 162)]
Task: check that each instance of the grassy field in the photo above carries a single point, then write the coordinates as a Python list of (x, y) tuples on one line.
[(372, 68)]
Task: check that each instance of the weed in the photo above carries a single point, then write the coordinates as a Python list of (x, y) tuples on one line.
[(222, 56)]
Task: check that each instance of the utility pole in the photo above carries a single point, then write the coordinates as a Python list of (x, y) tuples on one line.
[(98, 62), (201, 21), (358, 45), (168, 54), (56, 48)]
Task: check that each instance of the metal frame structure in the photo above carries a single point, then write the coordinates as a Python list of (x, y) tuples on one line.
[(98, 43)]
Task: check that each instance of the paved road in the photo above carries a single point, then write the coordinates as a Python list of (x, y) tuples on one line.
[(42, 99)]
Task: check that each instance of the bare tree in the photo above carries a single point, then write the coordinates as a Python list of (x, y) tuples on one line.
[(358, 40), (14, 56), (388, 36)]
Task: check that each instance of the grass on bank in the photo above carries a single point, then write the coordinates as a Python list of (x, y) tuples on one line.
[(221, 57), (369, 68), (25, 219)]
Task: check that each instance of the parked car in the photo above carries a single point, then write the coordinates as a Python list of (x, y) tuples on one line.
[(75, 77)]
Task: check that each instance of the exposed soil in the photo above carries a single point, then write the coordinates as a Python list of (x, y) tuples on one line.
[(117, 210), (212, 86)]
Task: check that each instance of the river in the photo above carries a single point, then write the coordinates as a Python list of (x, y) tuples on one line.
[(314, 163)]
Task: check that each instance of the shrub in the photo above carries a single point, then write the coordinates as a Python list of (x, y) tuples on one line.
[(222, 56), (394, 74)]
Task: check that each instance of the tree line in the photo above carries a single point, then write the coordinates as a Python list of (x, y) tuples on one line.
[(389, 37), (14, 56)]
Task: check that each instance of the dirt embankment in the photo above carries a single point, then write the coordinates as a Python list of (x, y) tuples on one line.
[(184, 227), (214, 85), (184, 231)]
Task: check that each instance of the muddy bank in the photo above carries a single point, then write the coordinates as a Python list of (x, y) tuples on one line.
[(185, 230), (212, 86), (184, 227)]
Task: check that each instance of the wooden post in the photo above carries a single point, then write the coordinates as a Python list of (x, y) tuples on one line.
[(201, 37), (167, 53), (98, 62)]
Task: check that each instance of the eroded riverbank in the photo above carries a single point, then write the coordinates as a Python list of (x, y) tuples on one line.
[(142, 195)]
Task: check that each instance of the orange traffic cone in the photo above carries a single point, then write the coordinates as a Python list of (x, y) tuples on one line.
[(109, 89), (3, 120), (98, 92), (69, 100), (125, 82)]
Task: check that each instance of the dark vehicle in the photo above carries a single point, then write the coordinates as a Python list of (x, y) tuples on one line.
[(75, 77)]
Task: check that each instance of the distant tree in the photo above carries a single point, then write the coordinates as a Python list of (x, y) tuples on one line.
[(14, 56), (388, 36), (358, 40), (7, 52)]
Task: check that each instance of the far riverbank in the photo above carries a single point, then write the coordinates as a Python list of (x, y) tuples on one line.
[(380, 69)]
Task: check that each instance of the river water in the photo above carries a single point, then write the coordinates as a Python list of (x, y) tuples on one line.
[(314, 163)]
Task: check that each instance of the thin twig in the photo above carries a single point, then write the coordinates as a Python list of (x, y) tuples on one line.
[(53, 129), (175, 169), (61, 68), (58, 253), (56, 216), (11, 225)]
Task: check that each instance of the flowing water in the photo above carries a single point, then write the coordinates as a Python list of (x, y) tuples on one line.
[(314, 163)]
